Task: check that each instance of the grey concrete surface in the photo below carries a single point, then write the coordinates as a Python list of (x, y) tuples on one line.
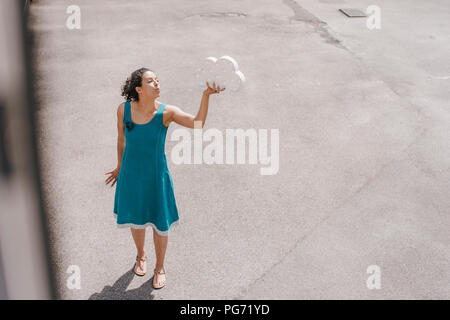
[(364, 147)]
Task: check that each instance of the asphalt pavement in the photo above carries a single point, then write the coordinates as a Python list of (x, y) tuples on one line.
[(364, 169)]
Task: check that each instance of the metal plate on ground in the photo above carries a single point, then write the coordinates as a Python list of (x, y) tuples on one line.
[(352, 13)]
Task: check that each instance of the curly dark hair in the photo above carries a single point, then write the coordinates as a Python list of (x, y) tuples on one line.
[(135, 80)]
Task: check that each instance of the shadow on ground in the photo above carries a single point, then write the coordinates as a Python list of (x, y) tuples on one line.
[(118, 291)]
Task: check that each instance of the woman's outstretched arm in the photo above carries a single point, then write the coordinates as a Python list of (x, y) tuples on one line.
[(186, 119)]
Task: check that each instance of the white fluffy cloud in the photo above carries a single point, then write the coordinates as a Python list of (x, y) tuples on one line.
[(224, 71)]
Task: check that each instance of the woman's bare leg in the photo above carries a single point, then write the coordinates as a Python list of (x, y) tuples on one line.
[(139, 240), (160, 249)]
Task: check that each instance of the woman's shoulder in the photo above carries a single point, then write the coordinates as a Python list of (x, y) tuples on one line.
[(121, 109), (160, 103), (167, 106)]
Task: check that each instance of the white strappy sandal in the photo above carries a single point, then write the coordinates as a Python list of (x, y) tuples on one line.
[(137, 269), (160, 283)]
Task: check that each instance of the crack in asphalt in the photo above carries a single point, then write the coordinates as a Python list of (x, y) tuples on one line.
[(300, 14), (329, 215), (308, 234), (303, 15)]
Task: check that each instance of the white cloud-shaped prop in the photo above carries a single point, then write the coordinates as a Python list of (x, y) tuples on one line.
[(224, 71)]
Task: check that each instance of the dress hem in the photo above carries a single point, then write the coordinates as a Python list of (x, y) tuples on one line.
[(143, 226)]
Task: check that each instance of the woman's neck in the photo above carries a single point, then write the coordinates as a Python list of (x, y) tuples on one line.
[(146, 105)]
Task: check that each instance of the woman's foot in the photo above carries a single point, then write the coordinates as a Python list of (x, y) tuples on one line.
[(159, 278), (140, 267)]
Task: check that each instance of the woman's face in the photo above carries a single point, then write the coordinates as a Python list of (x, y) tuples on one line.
[(150, 85)]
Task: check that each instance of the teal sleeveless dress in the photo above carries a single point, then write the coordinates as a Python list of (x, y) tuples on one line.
[(144, 190)]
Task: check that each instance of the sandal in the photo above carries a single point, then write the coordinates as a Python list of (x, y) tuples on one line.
[(137, 269), (162, 283)]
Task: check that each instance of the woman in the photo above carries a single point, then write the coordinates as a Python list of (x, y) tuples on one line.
[(144, 191)]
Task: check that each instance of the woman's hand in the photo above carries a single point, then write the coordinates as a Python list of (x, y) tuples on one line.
[(212, 90), (113, 176)]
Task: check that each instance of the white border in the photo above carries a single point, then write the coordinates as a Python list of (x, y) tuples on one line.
[(143, 226)]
